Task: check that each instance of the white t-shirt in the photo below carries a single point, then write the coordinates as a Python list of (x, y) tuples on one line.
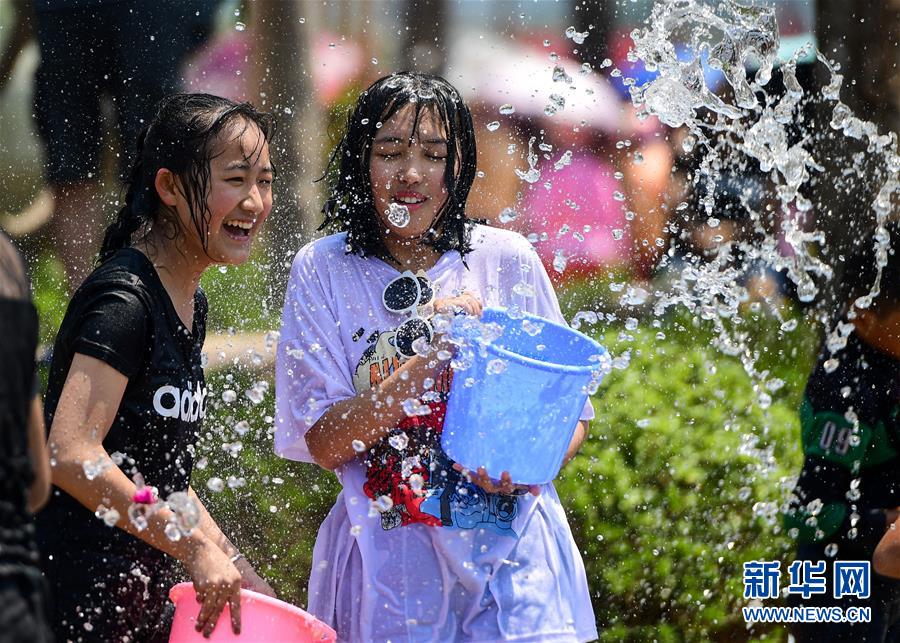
[(441, 560)]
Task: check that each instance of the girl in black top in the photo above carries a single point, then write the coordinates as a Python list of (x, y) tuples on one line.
[(24, 465), (127, 393)]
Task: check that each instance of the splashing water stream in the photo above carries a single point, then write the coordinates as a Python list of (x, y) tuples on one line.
[(749, 127)]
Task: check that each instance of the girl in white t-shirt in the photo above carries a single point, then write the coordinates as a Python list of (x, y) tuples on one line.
[(415, 548)]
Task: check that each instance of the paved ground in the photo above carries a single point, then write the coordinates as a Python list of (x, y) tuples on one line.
[(248, 348)]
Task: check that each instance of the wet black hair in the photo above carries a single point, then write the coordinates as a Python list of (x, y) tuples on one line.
[(350, 206), (181, 137), (862, 265)]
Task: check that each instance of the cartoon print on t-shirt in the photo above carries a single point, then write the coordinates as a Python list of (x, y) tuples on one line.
[(410, 468)]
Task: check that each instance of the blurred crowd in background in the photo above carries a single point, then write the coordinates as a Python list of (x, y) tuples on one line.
[(563, 157)]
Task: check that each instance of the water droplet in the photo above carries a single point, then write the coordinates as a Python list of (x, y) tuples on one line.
[(560, 261), (239, 26), (831, 550), (398, 215), (358, 445), (416, 482), (523, 289), (383, 504), (399, 441), (271, 338), (506, 109), (108, 515), (496, 366), (493, 126), (374, 61), (532, 328), (139, 513), (560, 75), (557, 103), (507, 215), (532, 175), (229, 396), (94, 468), (422, 348), (412, 407), (215, 484), (564, 160)]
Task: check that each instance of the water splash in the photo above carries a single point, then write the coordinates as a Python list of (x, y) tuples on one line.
[(398, 215), (745, 128), (532, 174)]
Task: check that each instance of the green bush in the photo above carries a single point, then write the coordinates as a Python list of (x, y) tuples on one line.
[(680, 482)]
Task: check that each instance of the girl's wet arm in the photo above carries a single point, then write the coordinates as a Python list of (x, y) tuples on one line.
[(87, 406), (370, 415), (581, 430)]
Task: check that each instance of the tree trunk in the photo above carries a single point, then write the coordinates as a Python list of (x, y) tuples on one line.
[(283, 77), (425, 45)]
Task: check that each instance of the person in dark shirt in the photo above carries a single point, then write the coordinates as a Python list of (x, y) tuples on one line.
[(24, 463), (128, 50), (127, 396), (848, 492)]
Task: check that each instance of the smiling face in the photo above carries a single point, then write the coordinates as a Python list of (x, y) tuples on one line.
[(239, 198), (409, 172)]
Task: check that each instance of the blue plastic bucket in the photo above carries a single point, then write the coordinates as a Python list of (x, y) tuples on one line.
[(519, 415)]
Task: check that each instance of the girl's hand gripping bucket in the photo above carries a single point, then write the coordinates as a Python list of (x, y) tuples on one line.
[(519, 414), (263, 620)]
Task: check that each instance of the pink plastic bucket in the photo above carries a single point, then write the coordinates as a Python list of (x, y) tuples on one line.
[(263, 620)]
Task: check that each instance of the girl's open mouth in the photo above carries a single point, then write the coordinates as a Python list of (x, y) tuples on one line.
[(411, 200), (237, 228)]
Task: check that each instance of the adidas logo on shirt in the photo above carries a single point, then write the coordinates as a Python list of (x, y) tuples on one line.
[(171, 401)]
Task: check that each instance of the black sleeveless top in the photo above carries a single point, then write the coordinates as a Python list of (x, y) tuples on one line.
[(18, 342)]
